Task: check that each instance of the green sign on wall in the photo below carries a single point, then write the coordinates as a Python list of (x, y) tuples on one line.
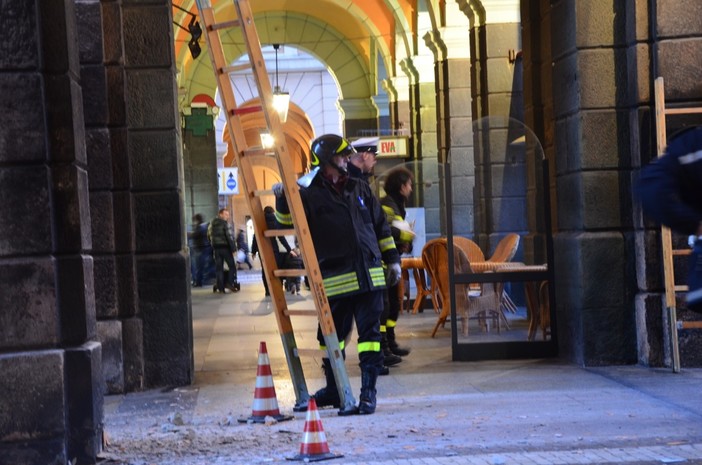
[(199, 122)]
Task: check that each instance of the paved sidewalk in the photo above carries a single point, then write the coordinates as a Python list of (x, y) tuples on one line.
[(430, 410)]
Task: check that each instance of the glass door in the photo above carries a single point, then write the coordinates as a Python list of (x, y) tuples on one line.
[(500, 260), (482, 252)]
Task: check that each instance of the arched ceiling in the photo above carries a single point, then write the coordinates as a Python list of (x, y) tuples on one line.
[(350, 28), (346, 63)]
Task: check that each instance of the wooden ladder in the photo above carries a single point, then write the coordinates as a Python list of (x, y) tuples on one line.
[(246, 159), (666, 237)]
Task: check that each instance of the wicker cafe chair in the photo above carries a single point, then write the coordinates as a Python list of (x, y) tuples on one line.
[(504, 252), (482, 304), (506, 249), (472, 250), (474, 254)]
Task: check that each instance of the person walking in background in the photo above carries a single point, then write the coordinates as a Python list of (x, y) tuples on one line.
[(242, 246), (670, 190), (200, 248), (269, 214), (224, 247), (351, 239), (293, 261), (398, 187)]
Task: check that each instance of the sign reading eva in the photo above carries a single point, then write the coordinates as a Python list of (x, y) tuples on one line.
[(392, 147)]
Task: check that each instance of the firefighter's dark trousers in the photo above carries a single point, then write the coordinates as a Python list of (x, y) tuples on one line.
[(365, 309)]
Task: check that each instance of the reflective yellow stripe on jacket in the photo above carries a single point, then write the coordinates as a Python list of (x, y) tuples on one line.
[(385, 244), (341, 284), (405, 236), (283, 218), (377, 276)]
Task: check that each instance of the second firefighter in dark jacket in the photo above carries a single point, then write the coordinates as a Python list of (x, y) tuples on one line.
[(352, 240), (398, 187)]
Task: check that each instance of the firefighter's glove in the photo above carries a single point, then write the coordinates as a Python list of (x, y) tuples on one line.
[(394, 274), (278, 189)]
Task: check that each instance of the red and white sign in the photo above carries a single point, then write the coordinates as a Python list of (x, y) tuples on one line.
[(392, 147)]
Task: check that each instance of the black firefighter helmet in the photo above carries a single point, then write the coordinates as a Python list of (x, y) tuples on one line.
[(326, 147)]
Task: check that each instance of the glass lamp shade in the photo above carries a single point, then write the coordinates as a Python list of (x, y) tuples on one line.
[(281, 102), (267, 141)]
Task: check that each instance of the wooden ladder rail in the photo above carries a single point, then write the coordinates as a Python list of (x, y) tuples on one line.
[(666, 237), (245, 157)]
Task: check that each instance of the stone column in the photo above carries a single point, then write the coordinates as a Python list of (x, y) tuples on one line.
[(200, 164), (155, 173), (51, 404), (454, 135), (399, 93), (596, 122)]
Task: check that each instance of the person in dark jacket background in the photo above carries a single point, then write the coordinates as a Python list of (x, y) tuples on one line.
[(223, 247), (352, 240), (200, 247), (243, 246), (269, 214), (670, 190)]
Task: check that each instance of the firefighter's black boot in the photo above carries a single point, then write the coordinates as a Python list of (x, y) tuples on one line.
[(369, 375), (328, 396), (390, 358), (392, 344)]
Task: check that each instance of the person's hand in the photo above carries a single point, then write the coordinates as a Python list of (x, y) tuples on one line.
[(394, 274), (278, 189)]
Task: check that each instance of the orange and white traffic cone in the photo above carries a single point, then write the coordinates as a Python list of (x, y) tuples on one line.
[(314, 447), (265, 403)]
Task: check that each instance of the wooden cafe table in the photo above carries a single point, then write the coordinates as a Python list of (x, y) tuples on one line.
[(538, 307), (416, 265)]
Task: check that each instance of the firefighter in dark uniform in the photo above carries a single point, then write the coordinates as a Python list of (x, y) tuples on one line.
[(670, 190), (398, 187), (352, 240)]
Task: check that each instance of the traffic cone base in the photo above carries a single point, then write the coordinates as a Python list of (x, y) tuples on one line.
[(265, 403), (314, 447)]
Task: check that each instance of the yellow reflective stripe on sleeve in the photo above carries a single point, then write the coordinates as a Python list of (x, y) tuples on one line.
[(390, 323), (341, 284), (377, 276), (406, 236), (283, 218), (383, 329), (389, 212), (386, 244), (342, 344), (368, 347)]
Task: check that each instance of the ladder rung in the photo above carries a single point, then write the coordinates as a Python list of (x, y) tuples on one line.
[(247, 110), (290, 312), (263, 193), (682, 252), (278, 232), (310, 352), (234, 68), (293, 273), (258, 152), (681, 288), (689, 324), (224, 25), (682, 111)]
